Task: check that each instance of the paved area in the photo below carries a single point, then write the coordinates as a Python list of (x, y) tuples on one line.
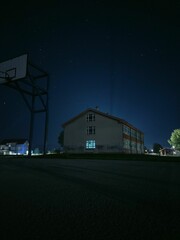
[(89, 199)]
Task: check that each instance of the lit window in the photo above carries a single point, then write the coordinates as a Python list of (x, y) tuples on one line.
[(90, 144), (91, 130), (90, 117)]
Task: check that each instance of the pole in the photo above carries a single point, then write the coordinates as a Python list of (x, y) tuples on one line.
[(31, 123), (46, 118)]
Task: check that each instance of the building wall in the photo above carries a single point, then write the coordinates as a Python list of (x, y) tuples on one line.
[(107, 134), (74, 135), (14, 148), (133, 140), (101, 134)]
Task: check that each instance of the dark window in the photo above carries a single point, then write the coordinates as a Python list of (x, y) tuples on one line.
[(90, 117), (91, 130)]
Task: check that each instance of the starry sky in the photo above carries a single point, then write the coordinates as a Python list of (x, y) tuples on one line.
[(121, 56)]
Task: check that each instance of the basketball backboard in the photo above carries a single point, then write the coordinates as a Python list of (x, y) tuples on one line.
[(13, 69)]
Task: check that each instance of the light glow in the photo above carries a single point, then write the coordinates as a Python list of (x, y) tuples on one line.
[(90, 144)]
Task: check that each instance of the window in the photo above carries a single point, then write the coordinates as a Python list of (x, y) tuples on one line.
[(91, 130), (126, 143), (133, 145), (133, 133), (90, 144), (138, 135), (126, 130), (138, 147), (90, 117)]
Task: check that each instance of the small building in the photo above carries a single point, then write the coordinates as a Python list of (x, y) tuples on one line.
[(14, 147), (169, 152), (95, 131)]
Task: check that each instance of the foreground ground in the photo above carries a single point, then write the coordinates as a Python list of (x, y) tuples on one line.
[(89, 199)]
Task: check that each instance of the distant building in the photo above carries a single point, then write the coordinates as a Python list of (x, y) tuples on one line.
[(169, 152), (95, 131), (14, 146)]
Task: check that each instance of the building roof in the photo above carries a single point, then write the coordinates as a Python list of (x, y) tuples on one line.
[(13, 140), (167, 148), (120, 120)]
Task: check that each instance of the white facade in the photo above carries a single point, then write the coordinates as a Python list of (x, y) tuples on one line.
[(14, 147), (94, 131)]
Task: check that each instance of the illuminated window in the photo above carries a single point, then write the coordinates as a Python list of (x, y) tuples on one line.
[(90, 144), (90, 117), (91, 130)]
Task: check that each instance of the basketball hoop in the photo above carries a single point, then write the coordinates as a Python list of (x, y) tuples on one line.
[(13, 69), (5, 76)]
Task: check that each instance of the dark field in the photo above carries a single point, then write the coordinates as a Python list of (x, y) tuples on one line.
[(43, 198)]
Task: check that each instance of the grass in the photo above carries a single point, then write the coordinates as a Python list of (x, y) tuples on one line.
[(112, 156), (104, 156)]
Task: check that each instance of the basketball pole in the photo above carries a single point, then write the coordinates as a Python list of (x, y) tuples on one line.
[(46, 118), (31, 123), (27, 79), (38, 92)]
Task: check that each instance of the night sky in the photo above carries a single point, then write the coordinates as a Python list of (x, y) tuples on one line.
[(121, 57)]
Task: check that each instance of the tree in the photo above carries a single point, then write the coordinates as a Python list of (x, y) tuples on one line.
[(157, 147), (175, 139), (61, 138)]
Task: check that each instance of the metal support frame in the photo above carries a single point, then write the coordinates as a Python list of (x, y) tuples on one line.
[(31, 90)]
